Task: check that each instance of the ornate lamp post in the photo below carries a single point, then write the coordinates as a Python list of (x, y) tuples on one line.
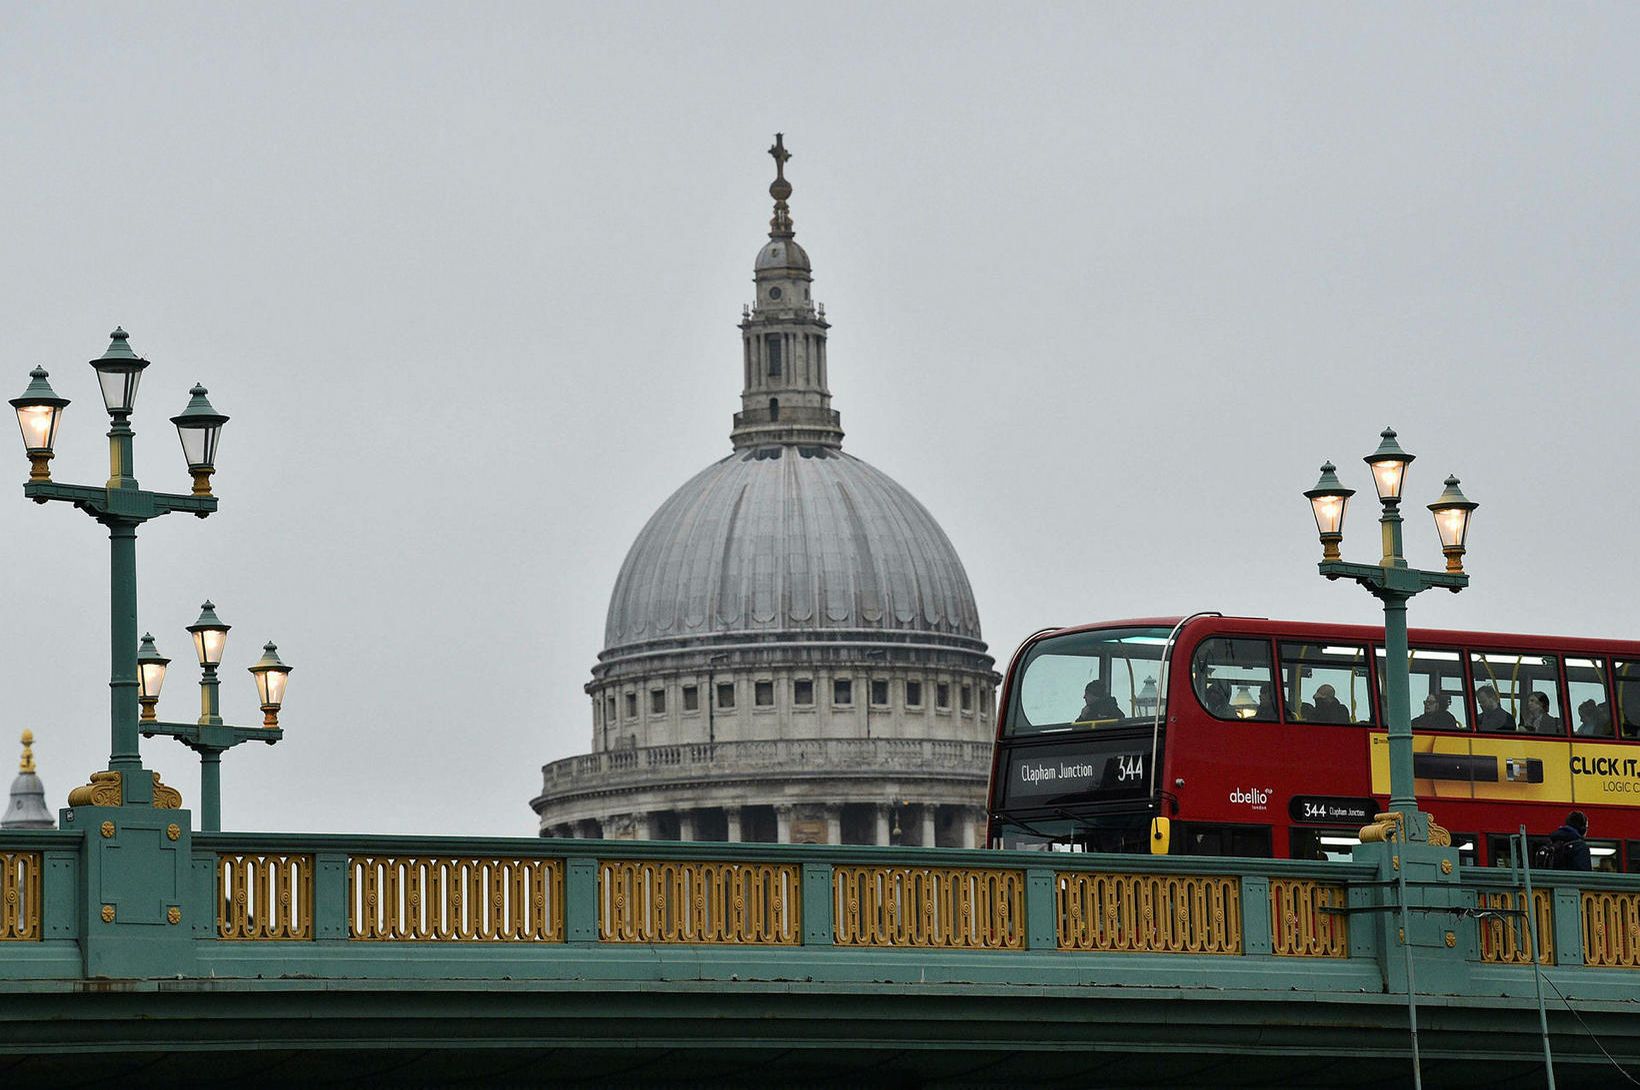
[(122, 507), (135, 674), (1392, 582), (210, 737)]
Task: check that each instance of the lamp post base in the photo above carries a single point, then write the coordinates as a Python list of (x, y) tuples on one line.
[(113, 788)]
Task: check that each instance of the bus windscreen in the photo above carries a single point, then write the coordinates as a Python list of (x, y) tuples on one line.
[(1084, 680)]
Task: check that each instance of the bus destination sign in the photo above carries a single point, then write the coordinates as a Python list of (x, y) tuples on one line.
[(1085, 771), (1327, 810)]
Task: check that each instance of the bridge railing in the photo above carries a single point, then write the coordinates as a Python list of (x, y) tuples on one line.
[(282, 894), (1590, 919), (639, 892)]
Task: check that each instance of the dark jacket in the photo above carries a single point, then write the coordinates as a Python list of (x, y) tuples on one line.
[(1575, 856)]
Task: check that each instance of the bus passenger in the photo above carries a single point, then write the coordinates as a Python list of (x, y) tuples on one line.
[(1593, 720), (1326, 708), (1217, 699), (1492, 716), (1097, 703), (1266, 704), (1536, 717), (1437, 714)]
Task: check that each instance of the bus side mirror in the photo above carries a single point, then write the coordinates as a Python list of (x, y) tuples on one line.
[(1161, 835)]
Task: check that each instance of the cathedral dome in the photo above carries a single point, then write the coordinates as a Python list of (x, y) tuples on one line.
[(792, 653), (784, 537)]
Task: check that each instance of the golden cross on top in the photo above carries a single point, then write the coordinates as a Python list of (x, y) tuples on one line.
[(780, 154)]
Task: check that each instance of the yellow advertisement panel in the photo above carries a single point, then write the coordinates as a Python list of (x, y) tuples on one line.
[(1515, 767)]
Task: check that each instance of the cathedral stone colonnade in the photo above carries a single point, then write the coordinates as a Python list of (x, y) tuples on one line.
[(792, 652)]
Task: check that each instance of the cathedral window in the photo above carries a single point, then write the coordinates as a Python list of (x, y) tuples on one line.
[(803, 691), (842, 691), (913, 694), (763, 694), (726, 695), (691, 698), (771, 345), (942, 696), (632, 705), (879, 693), (609, 709), (774, 408), (967, 698), (657, 701)]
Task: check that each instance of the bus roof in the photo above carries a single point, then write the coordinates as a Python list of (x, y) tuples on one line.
[(1318, 630)]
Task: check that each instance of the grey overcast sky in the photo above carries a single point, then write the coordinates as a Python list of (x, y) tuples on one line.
[(1107, 284)]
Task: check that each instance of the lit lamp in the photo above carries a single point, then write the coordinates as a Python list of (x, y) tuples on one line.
[(271, 675), (210, 636), (38, 411), (1243, 703), (1452, 510), (199, 427), (150, 676), (1329, 499), (118, 371), (1389, 467)]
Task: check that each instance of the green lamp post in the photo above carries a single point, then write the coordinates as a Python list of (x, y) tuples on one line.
[(121, 506), (1392, 582), (210, 737)]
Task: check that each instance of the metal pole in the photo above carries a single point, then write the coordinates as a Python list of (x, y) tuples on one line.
[(1398, 708), (1406, 955), (1532, 952), (210, 710), (124, 755), (210, 790)]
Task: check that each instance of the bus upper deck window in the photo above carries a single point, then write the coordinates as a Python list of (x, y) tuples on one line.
[(1435, 690), (1588, 706), (1325, 683), (1517, 691), (1232, 679), (1626, 675), (1088, 681)]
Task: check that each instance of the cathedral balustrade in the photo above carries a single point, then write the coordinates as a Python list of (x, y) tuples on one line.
[(635, 767)]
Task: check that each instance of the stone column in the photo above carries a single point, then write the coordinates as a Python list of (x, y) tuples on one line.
[(731, 817), (978, 818), (649, 826), (884, 816), (783, 824), (834, 825), (686, 825), (928, 825)]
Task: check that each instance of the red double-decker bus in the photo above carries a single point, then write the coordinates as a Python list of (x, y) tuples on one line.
[(1214, 735)]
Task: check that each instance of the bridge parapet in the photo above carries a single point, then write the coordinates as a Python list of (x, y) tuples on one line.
[(342, 907)]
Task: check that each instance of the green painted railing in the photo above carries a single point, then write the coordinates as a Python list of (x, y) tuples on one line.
[(369, 906), (445, 890)]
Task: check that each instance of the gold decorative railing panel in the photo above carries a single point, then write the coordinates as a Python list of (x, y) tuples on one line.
[(1149, 913), (264, 896), (1306, 919), (20, 901), (455, 899), (664, 901), (1611, 929), (949, 907), (1506, 937)]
